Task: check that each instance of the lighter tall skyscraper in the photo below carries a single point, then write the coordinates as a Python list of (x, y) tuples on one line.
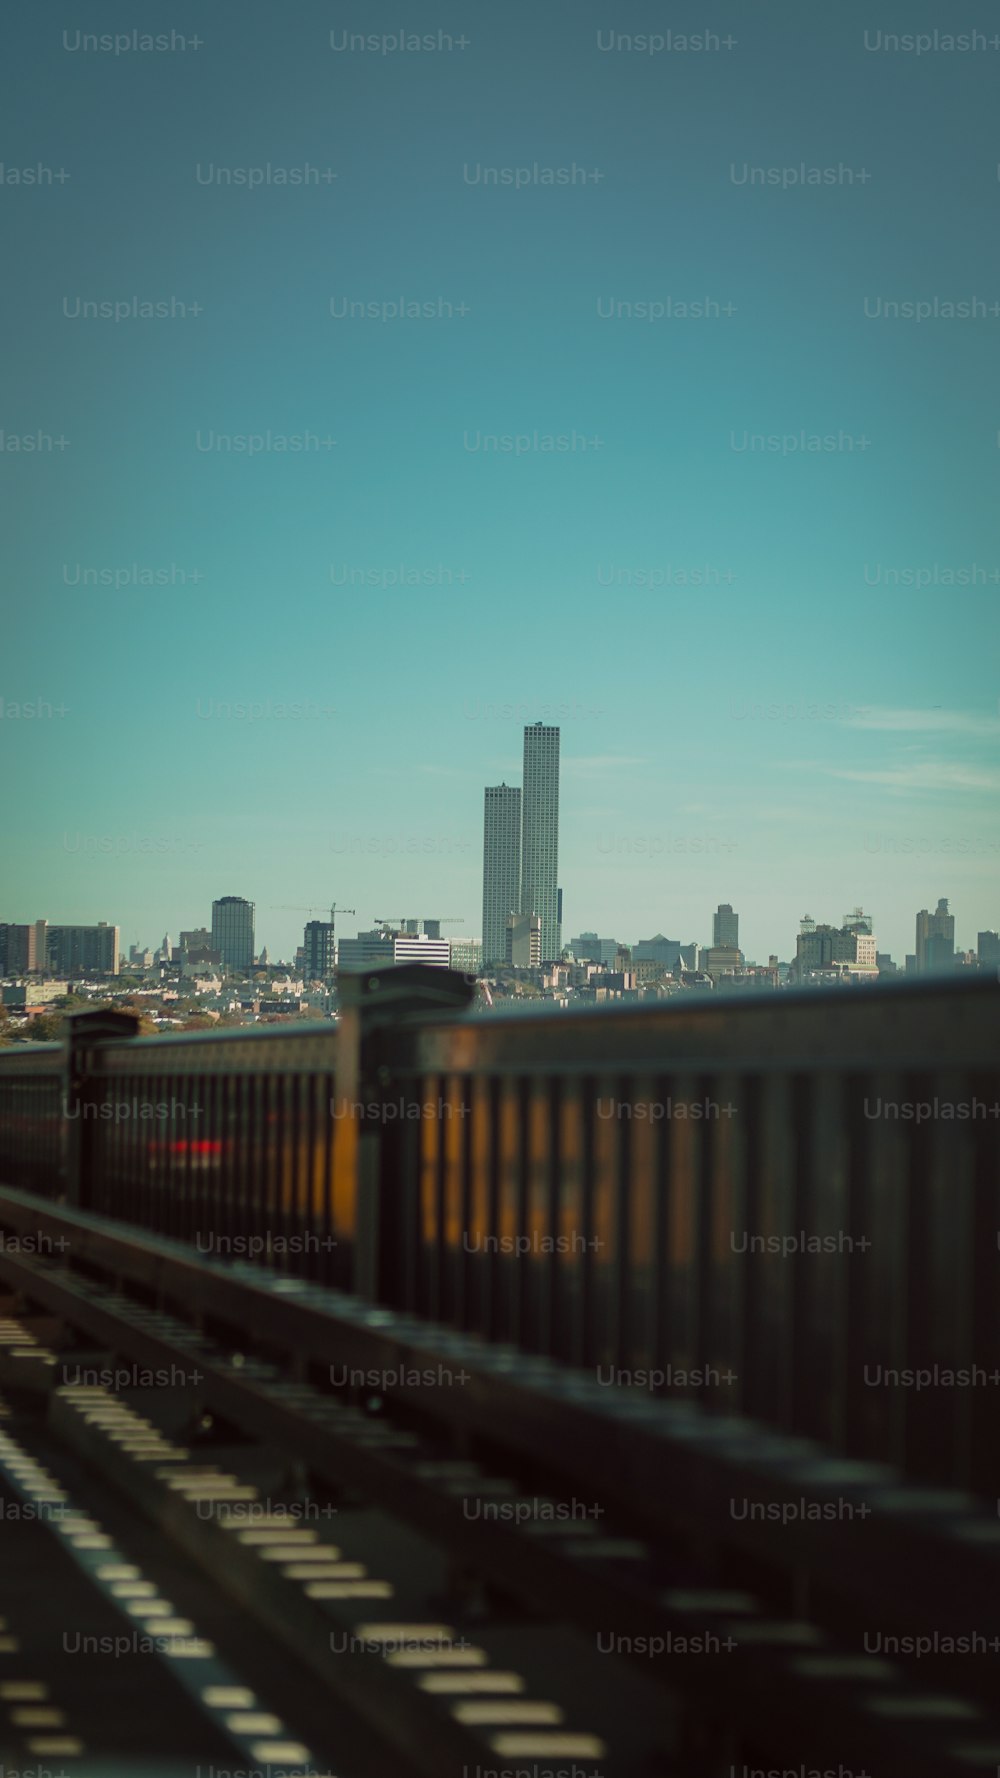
[(501, 866), (540, 834)]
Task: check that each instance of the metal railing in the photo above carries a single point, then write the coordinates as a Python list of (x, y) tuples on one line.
[(786, 1208)]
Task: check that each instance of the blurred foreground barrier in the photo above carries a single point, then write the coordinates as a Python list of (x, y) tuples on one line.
[(785, 1208)]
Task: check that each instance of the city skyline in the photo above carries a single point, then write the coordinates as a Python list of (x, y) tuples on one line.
[(630, 878), (232, 937)]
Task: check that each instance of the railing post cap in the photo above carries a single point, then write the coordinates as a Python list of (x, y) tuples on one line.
[(401, 988), (101, 1022)]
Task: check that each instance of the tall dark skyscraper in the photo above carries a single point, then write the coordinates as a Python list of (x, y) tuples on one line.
[(935, 938), (62, 950), (540, 834), (232, 931), (319, 951), (725, 926), (501, 866), (19, 950), (73, 950)]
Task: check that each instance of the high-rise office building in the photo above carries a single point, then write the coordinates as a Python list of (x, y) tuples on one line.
[(232, 931), (935, 939), (367, 949), (82, 950), (852, 950), (197, 938), (467, 955), (540, 834), (988, 947), (662, 951), (524, 941), (857, 921), (588, 948), (19, 949), (319, 951), (419, 947), (725, 927), (501, 866), (720, 959)]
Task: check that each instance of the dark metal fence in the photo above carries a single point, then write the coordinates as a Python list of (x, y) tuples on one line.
[(32, 1128), (786, 1208)]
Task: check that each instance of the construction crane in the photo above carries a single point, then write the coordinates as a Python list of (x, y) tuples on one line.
[(333, 910)]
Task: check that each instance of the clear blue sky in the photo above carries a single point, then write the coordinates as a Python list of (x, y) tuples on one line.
[(676, 794)]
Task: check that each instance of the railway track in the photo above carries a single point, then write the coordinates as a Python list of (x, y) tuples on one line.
[(465, 1560), (115, 1659)]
